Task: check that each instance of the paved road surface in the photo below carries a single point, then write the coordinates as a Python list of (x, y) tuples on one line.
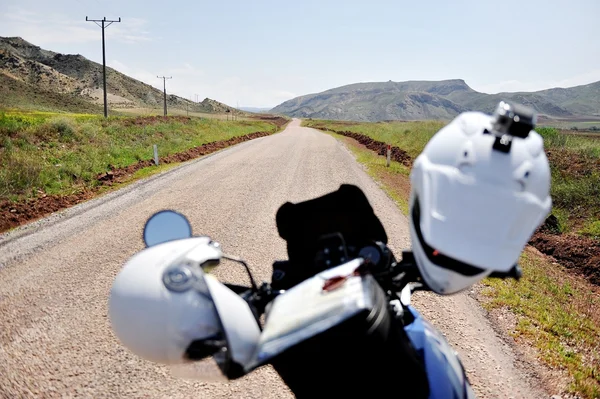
[(55, 275)]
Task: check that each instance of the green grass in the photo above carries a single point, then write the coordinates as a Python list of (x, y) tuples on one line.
[(410, 136), (63, 153), (592, 229), (574, 162), (590, 126), (556, 313), (554, 139)]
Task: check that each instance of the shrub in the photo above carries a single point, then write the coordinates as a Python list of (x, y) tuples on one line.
[(65, 128)]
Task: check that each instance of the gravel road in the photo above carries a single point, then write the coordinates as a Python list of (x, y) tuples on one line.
[(56, 274)]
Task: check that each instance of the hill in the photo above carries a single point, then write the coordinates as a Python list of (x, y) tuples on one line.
[(30, 75), (443, 100), (17, 94)]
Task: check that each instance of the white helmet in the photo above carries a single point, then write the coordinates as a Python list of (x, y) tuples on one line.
[(165, 309), (480, 188)]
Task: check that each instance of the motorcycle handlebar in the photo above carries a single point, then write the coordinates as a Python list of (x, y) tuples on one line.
[(394, 276)]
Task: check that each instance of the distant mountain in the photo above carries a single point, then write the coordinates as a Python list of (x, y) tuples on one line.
[(443, 100), (74, 83), (255, 110)]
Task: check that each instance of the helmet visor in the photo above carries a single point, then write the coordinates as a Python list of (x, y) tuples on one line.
[(479, 223), (194, 328)]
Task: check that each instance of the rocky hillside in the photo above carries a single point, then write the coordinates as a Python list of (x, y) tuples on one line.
[(34, 73), (17, 94), (416, 100), (213, 106)]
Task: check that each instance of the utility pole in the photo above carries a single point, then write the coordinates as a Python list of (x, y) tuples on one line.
[(103, 24), (164, 78)]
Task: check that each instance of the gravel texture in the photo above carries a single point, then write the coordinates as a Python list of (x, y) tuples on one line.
[(56, 274)]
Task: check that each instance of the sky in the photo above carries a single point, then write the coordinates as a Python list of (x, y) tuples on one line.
[(263, 52)]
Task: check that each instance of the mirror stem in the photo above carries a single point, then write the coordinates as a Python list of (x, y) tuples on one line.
[(239, 260)]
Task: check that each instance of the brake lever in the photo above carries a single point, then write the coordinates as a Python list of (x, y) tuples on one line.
[(260, 298), (407, 268), (238, 289)]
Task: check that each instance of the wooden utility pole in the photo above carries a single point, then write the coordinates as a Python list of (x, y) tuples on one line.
[(164, 78), (104, 23)]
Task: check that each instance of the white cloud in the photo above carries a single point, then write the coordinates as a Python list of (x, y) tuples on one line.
[(139, 74), (53, 28), (284, 95), (516, 85), (186, 70), (582, 79), (189, 81)]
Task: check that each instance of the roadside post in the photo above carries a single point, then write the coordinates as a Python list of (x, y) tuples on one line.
[(389, 155), (155, 155)]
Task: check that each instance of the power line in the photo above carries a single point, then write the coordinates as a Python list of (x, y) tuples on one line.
[(103, 24), (164, 78)]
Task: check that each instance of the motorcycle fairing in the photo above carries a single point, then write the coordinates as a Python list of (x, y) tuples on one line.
[(445, 372)]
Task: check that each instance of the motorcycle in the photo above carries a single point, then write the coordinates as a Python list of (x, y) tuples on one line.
[(336, 319)]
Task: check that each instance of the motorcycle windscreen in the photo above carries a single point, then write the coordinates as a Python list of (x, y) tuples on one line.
[(346, 211), (220, 340), (306, 310)]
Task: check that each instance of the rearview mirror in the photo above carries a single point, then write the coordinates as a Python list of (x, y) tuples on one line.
[(166, 226)]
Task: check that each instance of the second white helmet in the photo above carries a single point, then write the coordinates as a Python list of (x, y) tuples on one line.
[(165, 309), (480, 189)]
